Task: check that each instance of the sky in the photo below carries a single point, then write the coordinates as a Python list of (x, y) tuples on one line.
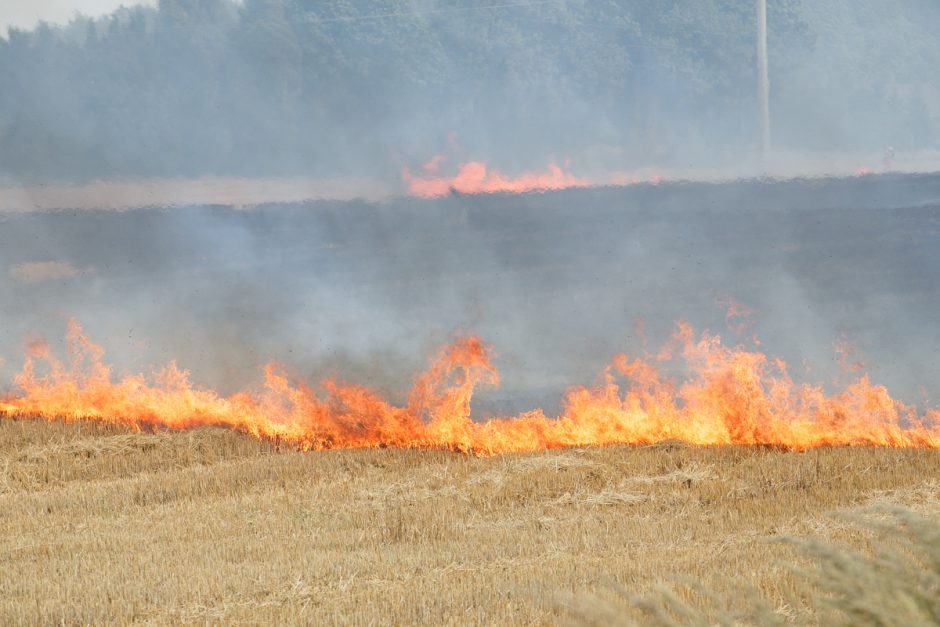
[(27, 13)]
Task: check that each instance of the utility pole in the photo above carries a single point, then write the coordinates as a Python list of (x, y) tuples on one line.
[(763, 81)]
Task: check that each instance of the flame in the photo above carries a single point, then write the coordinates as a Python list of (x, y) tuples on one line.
[(731, 396), (433, 165), (476, 178)]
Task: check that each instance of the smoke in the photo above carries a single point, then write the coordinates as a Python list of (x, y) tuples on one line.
[(282, 88), (36, 271), (554, 282), (234, 121)]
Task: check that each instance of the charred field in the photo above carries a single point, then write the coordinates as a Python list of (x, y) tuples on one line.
[(100, 523)]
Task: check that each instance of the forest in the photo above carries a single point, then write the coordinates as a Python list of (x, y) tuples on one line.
[(303, 87)]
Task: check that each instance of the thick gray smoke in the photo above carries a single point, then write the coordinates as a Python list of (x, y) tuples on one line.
[(290, 99), (555, 282)]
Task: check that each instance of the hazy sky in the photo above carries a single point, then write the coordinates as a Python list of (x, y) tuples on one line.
[(26, 13)]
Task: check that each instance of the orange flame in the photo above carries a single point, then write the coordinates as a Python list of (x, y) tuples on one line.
[(732, 396), (475, 178)]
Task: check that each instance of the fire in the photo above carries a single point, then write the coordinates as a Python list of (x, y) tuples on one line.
[(731, 396), (476, 178)]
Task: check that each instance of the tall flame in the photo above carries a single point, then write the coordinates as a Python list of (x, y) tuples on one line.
[(732, 396)]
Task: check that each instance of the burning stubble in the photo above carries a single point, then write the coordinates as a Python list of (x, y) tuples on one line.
[(732, 396), (349, 297)]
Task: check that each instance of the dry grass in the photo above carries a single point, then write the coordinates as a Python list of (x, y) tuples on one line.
[(893, 582), (99, 525)]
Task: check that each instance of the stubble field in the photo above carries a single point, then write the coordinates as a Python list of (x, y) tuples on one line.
[(98, 524)]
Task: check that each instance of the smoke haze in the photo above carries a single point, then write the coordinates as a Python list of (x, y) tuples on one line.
[(288, 88), (26, 14), (227, 127), (556, 283)]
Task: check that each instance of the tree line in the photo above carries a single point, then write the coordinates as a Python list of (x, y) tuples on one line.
[(284, 87)]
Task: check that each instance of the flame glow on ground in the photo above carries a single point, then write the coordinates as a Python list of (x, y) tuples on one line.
[(731, 396)]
